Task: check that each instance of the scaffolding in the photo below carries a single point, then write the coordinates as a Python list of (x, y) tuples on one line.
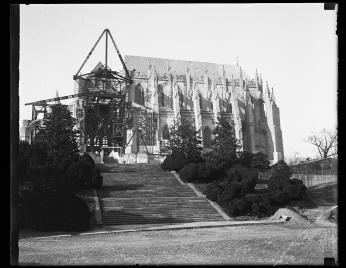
[(102, 109)]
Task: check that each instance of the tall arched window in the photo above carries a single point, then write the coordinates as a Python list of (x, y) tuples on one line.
[(206, 137), (165, 133), (161, 96), (181, 98), (139, 94), (228, 107), (200, 101)]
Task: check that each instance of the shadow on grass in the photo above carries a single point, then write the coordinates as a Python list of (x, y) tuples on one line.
[(118, 218), (318, 195), (325, 195), (26, 233)]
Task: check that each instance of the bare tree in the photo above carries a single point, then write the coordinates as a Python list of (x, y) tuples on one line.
[(324, 141), (295, 159)]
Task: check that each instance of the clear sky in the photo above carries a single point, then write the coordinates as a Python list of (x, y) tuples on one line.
[(294, 47)]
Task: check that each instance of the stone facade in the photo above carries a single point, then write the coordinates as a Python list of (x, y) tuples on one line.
[(198, 91)]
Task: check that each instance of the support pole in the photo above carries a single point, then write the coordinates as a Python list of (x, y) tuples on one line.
[(91, 51), (106, 58), (121, 59), (140, 132)]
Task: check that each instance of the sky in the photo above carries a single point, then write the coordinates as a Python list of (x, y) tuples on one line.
[(293, 46)]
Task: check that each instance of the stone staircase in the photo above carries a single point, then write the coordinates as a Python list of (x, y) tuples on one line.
[(145, 194)]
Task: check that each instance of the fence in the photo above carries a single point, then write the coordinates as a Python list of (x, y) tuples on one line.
[(316, 172), (328, 166), (313, 179)]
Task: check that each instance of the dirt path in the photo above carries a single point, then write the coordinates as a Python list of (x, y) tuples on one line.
[(321, 199)]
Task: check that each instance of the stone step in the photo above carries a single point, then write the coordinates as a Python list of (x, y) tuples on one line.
[(157, 215), (153, 198), (159, 212), (156, 221), (150, 195), (156, 207), (122, 218)]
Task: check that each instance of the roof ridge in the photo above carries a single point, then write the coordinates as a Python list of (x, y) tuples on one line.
[(141, 64), (192, 61)]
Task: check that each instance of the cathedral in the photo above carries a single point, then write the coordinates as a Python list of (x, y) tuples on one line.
[(200, 92), (164, 90)]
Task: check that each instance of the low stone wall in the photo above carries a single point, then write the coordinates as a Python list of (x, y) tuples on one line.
[(312, 179), (91, 199)]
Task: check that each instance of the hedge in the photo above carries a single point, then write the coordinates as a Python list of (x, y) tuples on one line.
[(201, 172), (54, 211), (175, 161)]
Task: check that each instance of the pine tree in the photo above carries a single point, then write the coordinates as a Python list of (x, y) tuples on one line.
[(225, 146), (57, 135), (184, 138)]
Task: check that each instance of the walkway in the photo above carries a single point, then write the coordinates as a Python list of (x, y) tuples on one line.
[(145, 194)]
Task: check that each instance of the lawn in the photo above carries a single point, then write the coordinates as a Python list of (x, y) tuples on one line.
[(265, 244)]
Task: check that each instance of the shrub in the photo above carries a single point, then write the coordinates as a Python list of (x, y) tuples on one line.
[(73, 172), (79, 175), (281, 169), (96, 179), (257, 160), (30, 157), (201, 172), (235, 193), (54, 211), (237, 207), (279, 197), (231, 191), (275, 183), (175, 161), (280, 183), (189, 173), (86, 157), (246, 176), (82, 173), (237, 182), (212, 172), (295, 189), (260, 204), (214, 191)]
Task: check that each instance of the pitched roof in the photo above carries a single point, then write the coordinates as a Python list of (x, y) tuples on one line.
[(141, 64), (98, 66)]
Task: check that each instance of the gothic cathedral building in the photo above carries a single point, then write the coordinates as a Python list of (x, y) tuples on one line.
[(200, 92)]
